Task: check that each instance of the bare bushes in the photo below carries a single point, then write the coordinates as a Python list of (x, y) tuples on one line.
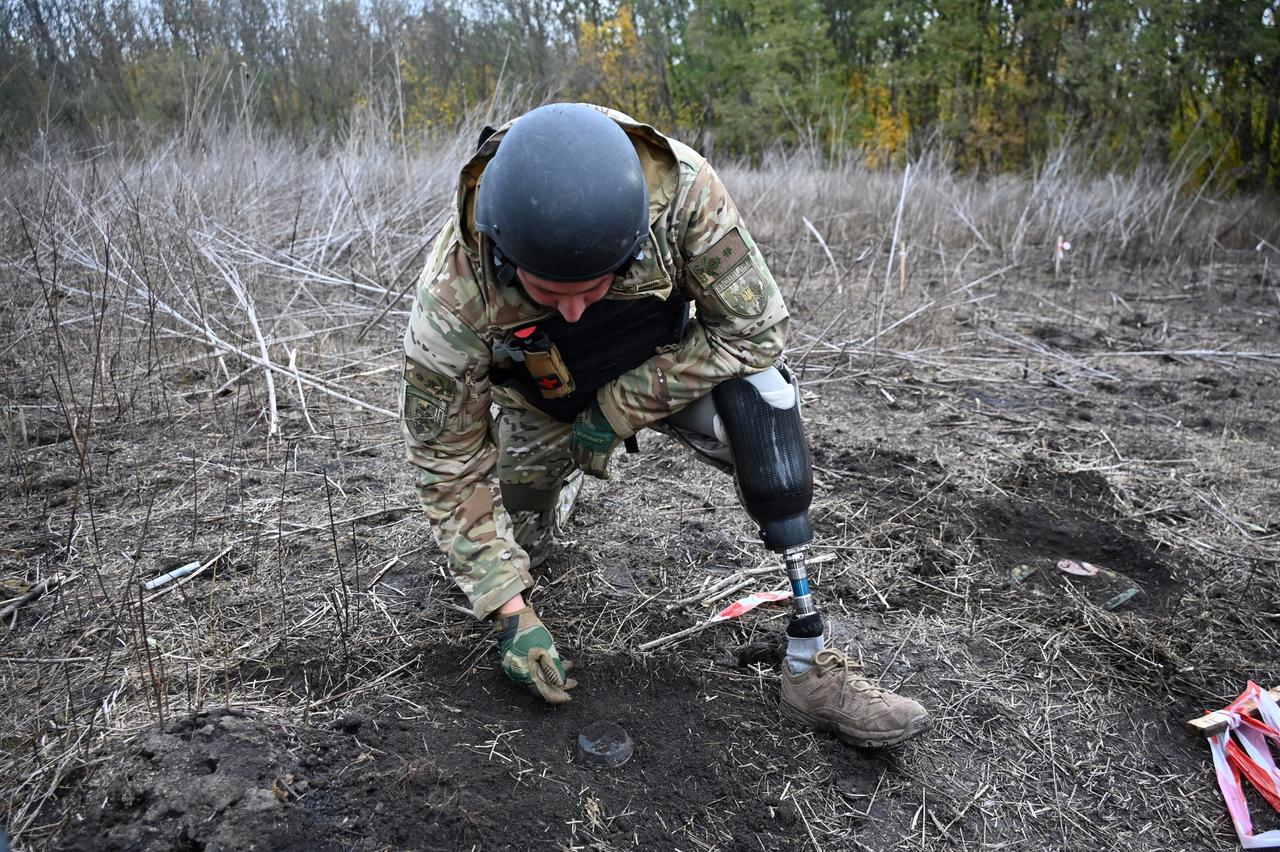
[(220, 252), (1014, 219), (227, 245)]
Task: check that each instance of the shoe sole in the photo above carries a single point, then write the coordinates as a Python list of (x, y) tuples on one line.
[(856, 738)]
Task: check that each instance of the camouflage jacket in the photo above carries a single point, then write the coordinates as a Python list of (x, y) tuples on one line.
[(697, 243)]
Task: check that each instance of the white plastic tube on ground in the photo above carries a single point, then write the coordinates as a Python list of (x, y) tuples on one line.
[(175, 574)]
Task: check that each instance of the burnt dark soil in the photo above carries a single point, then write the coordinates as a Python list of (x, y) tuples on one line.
[(479, 775), (318, 688), (1040, 518)]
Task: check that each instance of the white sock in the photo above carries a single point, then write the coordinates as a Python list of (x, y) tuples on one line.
[(801, 651)]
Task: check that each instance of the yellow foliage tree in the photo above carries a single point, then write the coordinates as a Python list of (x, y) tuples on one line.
[(614, 69), (886, 127)]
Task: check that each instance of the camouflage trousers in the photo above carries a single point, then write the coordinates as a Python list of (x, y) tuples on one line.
[(537, 474), (540, 482), (538, 478)]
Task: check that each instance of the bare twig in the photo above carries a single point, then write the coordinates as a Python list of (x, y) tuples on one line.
[(38, 591)]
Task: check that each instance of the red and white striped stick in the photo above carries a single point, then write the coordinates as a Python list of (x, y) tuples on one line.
[(733, 610)]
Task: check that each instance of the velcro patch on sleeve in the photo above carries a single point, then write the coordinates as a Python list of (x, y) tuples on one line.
[(427, 397), (726, 271)]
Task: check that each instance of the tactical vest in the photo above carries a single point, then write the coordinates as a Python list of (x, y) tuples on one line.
[(611, 337)]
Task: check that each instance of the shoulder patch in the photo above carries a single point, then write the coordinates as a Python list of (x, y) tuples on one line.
[(427, 396), (725, 270)]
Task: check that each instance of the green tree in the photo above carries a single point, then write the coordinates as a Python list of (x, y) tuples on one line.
[(757, 73)]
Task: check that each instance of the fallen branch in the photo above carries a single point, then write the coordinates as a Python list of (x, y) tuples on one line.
[(1188, 353), (278, 532), (719, 588), (730, 612), (34, 661), (40, 590), (381, 572), (678, 635)]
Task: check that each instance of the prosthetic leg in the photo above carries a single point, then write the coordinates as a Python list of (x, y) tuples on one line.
[(751, 428)]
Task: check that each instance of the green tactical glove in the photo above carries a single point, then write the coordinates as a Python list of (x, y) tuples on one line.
[(530, 658), (592, 441)]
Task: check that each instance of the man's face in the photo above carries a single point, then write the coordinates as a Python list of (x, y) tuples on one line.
[(570, 298)]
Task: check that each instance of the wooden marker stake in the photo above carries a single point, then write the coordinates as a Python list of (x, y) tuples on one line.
[(1216, 722)]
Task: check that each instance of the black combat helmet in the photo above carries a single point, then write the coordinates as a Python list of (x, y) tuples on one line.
[(564, 197)]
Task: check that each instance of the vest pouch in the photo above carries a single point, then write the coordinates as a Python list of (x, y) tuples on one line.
[(549, 373)]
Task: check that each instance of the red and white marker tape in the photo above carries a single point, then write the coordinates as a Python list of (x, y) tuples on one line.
[(1251, 758), (750, 602), (733, 610)]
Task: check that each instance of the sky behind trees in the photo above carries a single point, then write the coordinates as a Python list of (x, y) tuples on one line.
[(994, 84)]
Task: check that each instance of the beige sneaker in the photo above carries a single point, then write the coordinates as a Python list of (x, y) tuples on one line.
[(834, 696), (568, 497)]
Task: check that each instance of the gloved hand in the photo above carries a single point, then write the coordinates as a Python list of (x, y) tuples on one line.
[(530, 658), (592, 441)]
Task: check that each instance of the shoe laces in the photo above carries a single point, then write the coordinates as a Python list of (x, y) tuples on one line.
[(829, 659)]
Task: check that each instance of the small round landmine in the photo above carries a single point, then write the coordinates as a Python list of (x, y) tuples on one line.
[(604, 745)]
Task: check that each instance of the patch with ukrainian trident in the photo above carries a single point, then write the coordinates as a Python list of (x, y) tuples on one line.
[(427, 395), (726, 271)]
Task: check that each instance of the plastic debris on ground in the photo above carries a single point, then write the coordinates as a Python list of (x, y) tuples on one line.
[(1022, 572), (1103, 587), (1080, 569)]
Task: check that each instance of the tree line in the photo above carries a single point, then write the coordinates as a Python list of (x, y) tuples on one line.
[(994, 84)]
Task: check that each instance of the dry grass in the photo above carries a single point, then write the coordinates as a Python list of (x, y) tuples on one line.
[(200, 351)]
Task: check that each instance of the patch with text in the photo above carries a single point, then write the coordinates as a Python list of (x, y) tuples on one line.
[(726, 271)]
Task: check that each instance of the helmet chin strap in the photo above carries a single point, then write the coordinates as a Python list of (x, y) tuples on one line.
[(506, 271)]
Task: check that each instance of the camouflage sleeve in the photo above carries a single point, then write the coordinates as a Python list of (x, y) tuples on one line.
[(451, 440), (741, 321)]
